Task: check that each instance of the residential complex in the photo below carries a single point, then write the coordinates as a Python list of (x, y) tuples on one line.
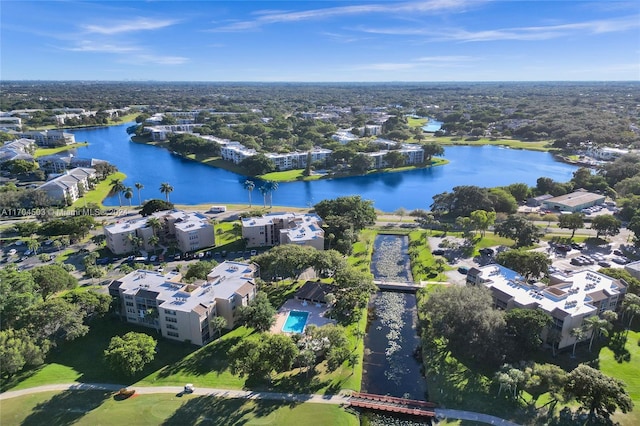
[(67, 188), (283, 228), (183, 311), (47, 137), (190, 231), (60, 163), (20, 149), (569, 299)]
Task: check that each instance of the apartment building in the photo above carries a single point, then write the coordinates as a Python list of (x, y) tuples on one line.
[(67, 188), (181, 311), (413, 154), (283, 228), (10, 123), (236, 152), (191, 231), (162, 132), (298, 159), (47, 137), (60, 163), (20, 149), (569, 299)]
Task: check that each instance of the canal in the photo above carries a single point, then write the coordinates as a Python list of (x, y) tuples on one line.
[(391, 365)]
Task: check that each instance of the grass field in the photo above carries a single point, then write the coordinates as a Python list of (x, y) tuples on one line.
[(100, 192), (42, 152), (100, 408), (623, 362), (510, 143)]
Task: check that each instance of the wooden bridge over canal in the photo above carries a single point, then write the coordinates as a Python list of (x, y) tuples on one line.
[(392, 404)]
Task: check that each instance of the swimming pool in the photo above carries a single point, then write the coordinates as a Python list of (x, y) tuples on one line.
[(296, 321)]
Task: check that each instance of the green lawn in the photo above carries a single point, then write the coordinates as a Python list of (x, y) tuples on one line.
[(100, 192), (622, 361), (42, 152), (511, 143), (100, 408), (416, 122), (289, 176)]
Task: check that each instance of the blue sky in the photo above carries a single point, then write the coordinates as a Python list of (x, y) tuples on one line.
[(432, 40)]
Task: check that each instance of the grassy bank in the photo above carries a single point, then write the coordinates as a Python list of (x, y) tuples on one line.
[(98, 407), (99, 193), (509, 143), (43, 152)]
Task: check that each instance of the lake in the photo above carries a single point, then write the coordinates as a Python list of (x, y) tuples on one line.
[(196, 183)]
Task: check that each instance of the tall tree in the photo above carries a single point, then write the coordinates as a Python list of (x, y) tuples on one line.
[(249, 185), (529, 264), (578, 333), (166, 189), (217, 324), (606, 225), (600, 394), (271, 187), (128, 194), (117, 187), (525, 327), (139, 187), (51, 279), (571, 221), (259, 313), (520, 229), (596, 326), (482, 220), (131, 352), (631, 307)]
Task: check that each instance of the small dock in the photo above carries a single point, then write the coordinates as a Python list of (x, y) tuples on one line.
[(405, 287), (392, 404)]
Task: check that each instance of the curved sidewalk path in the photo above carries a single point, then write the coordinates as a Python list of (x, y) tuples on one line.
[(230, 393)]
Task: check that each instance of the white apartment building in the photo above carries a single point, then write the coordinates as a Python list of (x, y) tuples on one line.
[(10, 123), (298, 159), (47, 137), (66, 188), (20, 149), (283, 228), (344, 136), (162, 132), (191, 231), (412, 153), (236, 152), (569, 299), (183, 311)]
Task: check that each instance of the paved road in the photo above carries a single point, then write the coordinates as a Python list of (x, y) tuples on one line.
[(229, 393)]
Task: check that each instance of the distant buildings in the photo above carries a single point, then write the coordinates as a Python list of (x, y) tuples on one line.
[(60, 163), (68, 188), (190, 231), (568, 299), (47, 137), (183, 311), (283, 228), (573, 202), (20, 149)]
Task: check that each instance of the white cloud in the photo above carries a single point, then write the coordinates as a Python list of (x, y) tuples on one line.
[(520, 33), (162, 60), (267, 17), (139, 24), (90, 46)]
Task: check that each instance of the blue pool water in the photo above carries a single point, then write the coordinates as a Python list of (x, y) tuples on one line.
[(295, 322)]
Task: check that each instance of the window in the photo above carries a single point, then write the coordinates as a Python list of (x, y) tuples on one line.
[(172, 327), (169, 319), (169, 312), (172, 334), (129, 303)]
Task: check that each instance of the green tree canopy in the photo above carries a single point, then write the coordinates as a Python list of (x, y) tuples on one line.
[(258, 164), (155, 205), (259, 313), (529, 264), (520, 229), (356, 211), (606, 225), (571, 221), (51, 279), (524, 327), (130, 353), (200, 270), (600, 394)]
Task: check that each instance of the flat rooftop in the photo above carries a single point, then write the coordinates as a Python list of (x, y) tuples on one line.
[(576, 198)]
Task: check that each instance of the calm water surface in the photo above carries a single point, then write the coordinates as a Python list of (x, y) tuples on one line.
[(196, 183)]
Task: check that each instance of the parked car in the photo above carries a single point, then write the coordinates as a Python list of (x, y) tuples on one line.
[(563, 247), (438, 252), (254, 252), (463, 270), (153, 258), (189, 388), (604, 264), (486, 251)]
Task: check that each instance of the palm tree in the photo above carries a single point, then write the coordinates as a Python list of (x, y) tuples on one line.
[(597, 326), (631, 305), (249, 185), (166, 189), (264, 192), (577, 333), (271, 186), (117, 186), (128, 194), (139, 186), (154, 241), (154, 223)]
